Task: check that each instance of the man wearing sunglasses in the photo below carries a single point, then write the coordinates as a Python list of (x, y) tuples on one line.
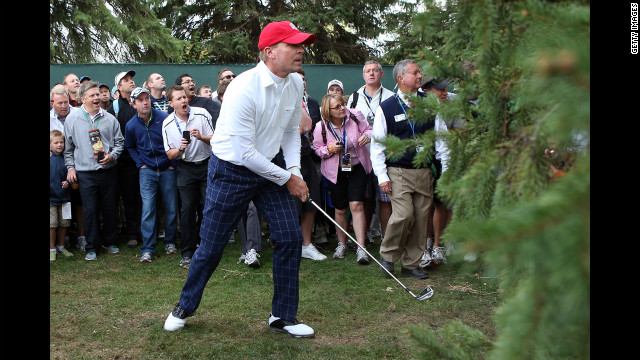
[(223, 75)]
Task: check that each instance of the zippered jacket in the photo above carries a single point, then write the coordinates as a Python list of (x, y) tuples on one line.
[(144, 142)]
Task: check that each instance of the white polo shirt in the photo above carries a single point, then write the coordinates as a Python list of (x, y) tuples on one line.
[(172, 128), (259, 114)]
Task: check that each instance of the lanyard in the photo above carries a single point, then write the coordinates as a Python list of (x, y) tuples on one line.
[(89, 121), (370, 98), (405, 114), (343, 141), (175, 118), (305, 106)]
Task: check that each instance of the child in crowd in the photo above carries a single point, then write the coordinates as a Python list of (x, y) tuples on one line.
[(58, 196)]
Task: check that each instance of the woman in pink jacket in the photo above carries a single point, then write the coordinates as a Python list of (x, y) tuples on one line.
[(345, 167)]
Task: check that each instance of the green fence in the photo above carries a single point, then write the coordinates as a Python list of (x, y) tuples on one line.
[(318, 76)]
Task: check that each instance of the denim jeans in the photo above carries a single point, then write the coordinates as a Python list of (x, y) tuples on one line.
[(153, 182)]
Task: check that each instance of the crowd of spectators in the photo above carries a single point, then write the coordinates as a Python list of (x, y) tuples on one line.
[(141, 176)]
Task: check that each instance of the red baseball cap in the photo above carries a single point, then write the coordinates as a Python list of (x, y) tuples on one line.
[(283, 31)]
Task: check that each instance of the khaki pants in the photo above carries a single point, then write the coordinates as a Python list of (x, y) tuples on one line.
[(411, 198)]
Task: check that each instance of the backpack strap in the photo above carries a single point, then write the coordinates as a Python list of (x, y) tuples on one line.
[(324, 132), (354, 102), (116, 107), (353, 117)]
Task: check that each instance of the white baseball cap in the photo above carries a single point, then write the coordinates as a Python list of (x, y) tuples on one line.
[(122, 74), (335, 82)]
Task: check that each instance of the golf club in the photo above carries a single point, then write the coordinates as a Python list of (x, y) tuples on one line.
[(423, 295)]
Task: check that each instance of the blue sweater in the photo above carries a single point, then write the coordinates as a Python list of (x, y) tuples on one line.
[(145, 143), (57, 174), (391, 107)]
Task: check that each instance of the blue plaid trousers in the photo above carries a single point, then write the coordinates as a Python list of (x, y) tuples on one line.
[(230, 188)]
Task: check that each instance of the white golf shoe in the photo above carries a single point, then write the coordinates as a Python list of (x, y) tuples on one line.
[(173, 323), (293, 328)]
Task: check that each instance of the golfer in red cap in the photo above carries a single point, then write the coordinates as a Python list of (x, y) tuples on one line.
[(256, 157)]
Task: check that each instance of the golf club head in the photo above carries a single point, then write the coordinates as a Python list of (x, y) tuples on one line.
[(425, 294)]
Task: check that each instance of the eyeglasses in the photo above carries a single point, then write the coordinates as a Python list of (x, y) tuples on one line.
[(189, 81), (337, 107), (228, 77)]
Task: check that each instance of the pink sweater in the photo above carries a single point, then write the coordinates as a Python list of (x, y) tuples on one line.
[(359, 154)]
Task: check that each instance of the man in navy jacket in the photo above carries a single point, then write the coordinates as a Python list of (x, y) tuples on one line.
[(143, 140)]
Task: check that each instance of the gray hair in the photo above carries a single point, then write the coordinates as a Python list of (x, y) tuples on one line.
[(401, 68), (372, 62), (86, 86), (58, 90)]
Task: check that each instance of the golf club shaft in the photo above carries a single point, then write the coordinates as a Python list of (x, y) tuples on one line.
[(360, 246)]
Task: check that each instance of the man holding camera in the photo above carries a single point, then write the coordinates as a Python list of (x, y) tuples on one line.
[(186, 133)]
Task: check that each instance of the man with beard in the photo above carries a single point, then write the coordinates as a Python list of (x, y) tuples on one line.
[(189, 86)]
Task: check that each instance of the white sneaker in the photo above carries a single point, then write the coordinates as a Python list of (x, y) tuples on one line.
[(310, 252), (361, 257), (146, 257), (426, 259), (251, 258), (340, 250), (293, 328), (173, 323), (438, 255)]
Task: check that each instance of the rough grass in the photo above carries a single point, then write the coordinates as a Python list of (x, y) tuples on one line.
[(114, 308)]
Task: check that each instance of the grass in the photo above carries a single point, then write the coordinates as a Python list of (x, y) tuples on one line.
[(114, 308)]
